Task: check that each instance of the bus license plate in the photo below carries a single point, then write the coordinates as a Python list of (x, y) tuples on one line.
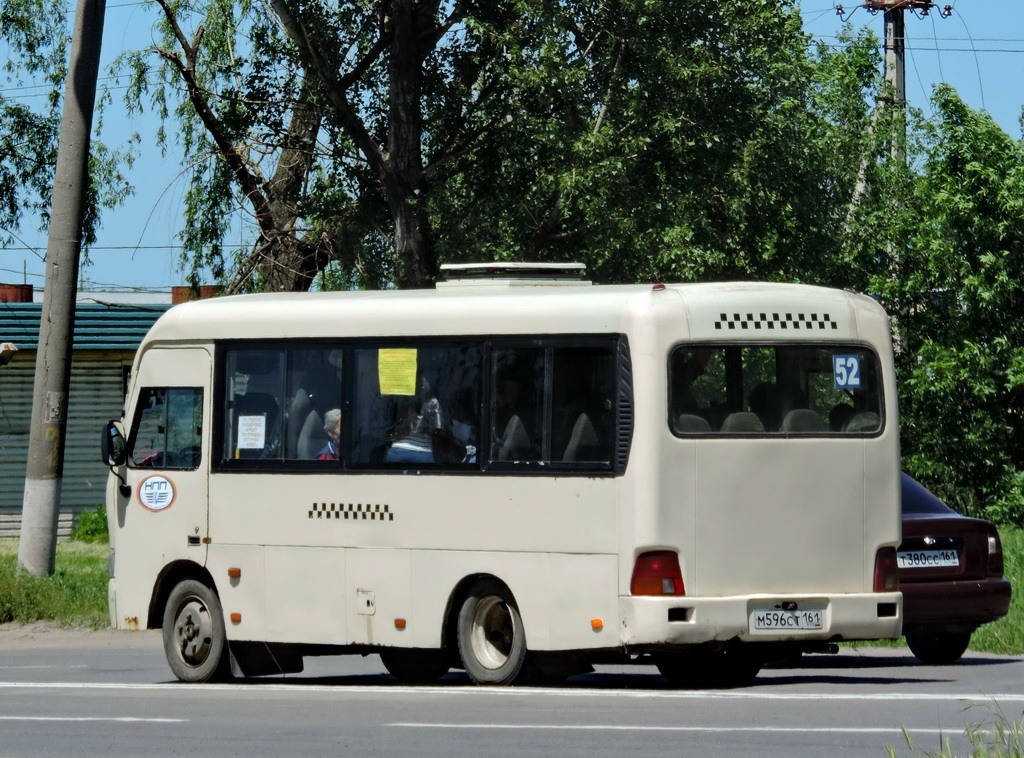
[(927, 558), (775, 619)]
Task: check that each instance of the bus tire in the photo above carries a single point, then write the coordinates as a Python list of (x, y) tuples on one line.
[(492, 641), (195, 641), (415, 666)]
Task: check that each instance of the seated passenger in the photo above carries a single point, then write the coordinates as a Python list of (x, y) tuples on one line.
[(332, 427), (415, 447), (415, 444)]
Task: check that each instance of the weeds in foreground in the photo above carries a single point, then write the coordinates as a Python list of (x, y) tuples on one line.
[(1003, 737)]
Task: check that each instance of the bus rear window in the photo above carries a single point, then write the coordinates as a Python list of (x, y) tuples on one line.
[(774, 390)]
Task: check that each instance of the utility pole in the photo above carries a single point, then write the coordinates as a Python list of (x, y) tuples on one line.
[(45, 469), (896, 72), (895, 57)]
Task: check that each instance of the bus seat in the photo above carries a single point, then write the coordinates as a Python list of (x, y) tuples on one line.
[(742, 422), (865, 421), (515, 442), (803, 420), (689, 423), (312, 437), (583, 441)]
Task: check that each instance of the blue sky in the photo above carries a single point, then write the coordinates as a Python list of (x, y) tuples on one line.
[(979, 49)]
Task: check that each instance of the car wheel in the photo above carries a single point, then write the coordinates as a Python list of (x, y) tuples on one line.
[(416, 666), (195, 641), (935, 646), (492, 641), (732, 668)]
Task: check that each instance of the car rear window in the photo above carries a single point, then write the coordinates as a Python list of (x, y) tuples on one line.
[(919, 500)]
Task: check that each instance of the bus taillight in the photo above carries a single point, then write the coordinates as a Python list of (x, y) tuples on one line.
[(657, 573), (886, 577)]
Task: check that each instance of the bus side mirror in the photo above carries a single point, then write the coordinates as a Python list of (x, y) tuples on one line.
[(112, 445)]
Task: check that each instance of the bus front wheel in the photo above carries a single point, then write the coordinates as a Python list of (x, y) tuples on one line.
[(195, 641), (492, 642)]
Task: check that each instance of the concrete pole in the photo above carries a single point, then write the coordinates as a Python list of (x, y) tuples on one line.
[(45, 469)]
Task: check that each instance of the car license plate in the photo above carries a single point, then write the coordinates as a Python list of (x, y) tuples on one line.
[(763, 619), (927, 558)]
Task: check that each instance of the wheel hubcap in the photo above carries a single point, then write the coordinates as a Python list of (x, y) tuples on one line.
[(493, 632), (192, 629)]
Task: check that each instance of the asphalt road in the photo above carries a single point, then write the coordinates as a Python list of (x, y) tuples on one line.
[(110, 693)]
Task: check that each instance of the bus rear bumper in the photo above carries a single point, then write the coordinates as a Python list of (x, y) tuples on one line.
[(666, 621)]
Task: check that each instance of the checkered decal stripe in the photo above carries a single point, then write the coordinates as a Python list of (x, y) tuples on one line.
[(770, 321), (351, 512)]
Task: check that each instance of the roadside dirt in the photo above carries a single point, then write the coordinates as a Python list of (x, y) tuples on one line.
[(44, 635)]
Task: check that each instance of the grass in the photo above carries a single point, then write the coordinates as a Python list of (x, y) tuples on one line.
[(1007, 634), (75, 596)]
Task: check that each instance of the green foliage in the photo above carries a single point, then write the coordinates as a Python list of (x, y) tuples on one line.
[(76, 594), (35, 36), (91, 526), (957, 305)]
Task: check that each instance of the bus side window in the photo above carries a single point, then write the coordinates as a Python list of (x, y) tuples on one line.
[(276, 401), (415, 405), (552, 404), (582, 398), (167, 429)]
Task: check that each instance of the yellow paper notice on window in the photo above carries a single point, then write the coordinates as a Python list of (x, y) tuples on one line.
[(396, 371)]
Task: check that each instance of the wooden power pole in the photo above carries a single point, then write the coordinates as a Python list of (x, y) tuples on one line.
[(45, 469)]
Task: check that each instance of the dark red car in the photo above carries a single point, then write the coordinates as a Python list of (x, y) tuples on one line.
[(951, 574)]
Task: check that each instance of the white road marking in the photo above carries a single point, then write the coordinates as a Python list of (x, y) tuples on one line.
[(895, 730), (532, 692), (120, 719)]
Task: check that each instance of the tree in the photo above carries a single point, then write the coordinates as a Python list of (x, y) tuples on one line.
[(962, 371), (36, 39), (35, 35), (644, 137)]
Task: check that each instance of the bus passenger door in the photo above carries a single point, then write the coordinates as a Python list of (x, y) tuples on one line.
[(164, 517)]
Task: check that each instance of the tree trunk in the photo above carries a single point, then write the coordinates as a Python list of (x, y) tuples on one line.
[(414, 253)]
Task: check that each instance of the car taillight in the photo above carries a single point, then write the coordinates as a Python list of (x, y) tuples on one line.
[(995, 554), (886, 578), (657, 573)]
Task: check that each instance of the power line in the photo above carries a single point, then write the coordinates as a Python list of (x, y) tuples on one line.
[(29, 248)]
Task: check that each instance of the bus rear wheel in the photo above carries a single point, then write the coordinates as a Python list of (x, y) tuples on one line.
[(195, 641), (492, 641)]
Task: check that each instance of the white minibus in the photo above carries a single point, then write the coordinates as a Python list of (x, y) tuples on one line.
[(518, 474)]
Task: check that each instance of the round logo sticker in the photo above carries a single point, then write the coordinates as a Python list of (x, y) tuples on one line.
[(156, 492)]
